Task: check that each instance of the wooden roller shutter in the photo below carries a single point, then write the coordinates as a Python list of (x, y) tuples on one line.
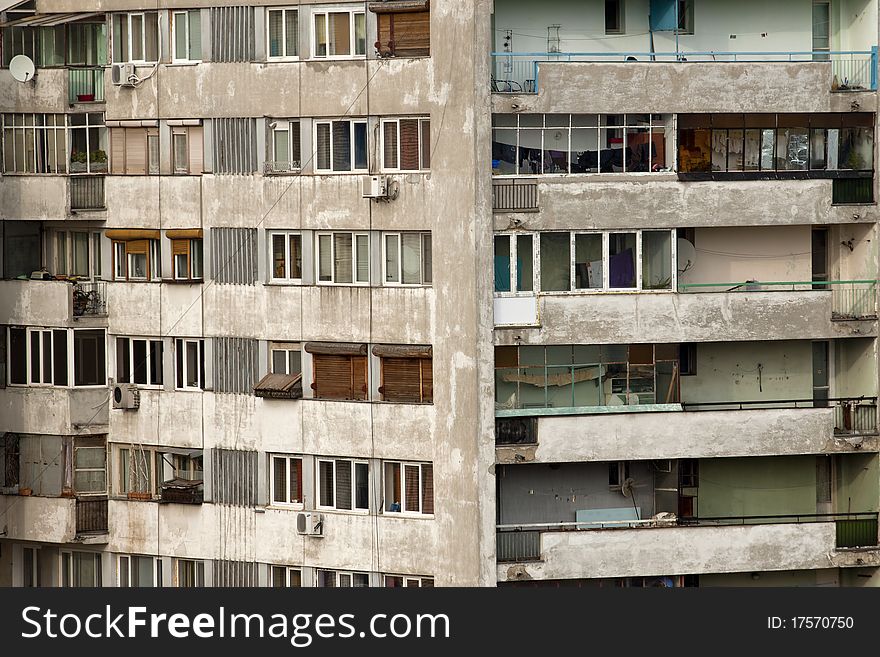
[(359, 377), (401, 380), (389, 142), (343, 484), (340, 377), (427, 488), (117, 150), (296, 483), (135, 151), (411, 488), (409, 145), (426, 143), (404, 34), (196, 142), (427, 380)]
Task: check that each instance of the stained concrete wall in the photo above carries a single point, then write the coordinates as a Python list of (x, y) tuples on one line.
[(42, 197), (693, 550), (36, 303), (45, 519)]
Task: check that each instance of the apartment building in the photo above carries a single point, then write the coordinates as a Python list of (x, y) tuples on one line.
[(261, 354), (272, 275), (685, 293)]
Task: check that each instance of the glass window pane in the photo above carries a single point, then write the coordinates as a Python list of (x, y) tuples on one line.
[(180, 27), (340, 33), (361, 486), (502, 263), (281, 140), (137, 37), (276, 27), (325, 261), (360, 146), (321, 35), (555, 262), (622, 260), (524, 263), (290, 33), (342, 258), (195, 34), (279, 256), (151, 28), (657, 260), (392, 259), (588, 269), (555, 153), (295, 256), (363, 258), (412, 265), (192, 364)]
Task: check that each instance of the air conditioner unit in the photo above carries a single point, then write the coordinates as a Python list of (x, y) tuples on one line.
[(310, 524), (122, 74), (126, 397), (375, 186)]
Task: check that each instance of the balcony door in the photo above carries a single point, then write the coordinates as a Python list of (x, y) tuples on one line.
[(821, 31), (820, 374)]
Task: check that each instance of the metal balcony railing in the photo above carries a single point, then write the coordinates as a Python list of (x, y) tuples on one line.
[(850, 300), (522, 542), (85, 85), (91, 515), (86, 192), (89, 299), (517, 72)]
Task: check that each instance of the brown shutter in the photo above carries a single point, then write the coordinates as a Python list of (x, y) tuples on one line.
[(359, 377), (196, 142), (117, 150), (426, 143), (401, 380), (135, 151), (412, 34), (383, 22), (411, 483), (389, 138), (427, 488), (296, 483), (427, 380), (409, 144), (332, 376)]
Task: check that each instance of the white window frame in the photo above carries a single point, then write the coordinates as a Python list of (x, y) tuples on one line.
[(355, 254), (63, 261), (59, 157), (65, 567), (175, 56), (122, 259), (150, 343), (514, 266), (293, 166), (129, 41), (29, 332), (287, 349), (286, 57), (352, 46), (422, 145), (423, 250), (287, 458), (196, 245), (123, 572), (183, 344), (404, 511), (199, 567), (123, 489), (351, 137), (71, 362), (288, 570), (409, 581), (76, 469), (341, 575), (318, 481), (286, 279)]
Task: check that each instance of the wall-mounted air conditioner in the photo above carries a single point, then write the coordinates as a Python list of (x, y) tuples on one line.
[(375, 186), (310, 524), (123, 75), (126, 397)]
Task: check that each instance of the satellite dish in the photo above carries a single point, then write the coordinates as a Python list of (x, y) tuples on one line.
[(687, 255), (21, 67)]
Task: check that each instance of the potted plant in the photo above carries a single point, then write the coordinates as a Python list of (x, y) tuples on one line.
[(78, 161), (99, 160)]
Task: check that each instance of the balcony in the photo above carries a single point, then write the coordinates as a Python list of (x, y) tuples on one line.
[(85, 84), (519, 72), (91, 519), (51, 302), (89, 299), (43, 519), (87, 193)]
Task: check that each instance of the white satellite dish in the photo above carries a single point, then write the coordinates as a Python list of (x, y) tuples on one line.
[(687, 255), (21, 67)]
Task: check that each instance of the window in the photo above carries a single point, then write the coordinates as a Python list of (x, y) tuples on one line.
[(190, 364), (90, 465), (30, 567), (514, 263), (340, 146), (396, 581), (139, 360), (339, 371), (135, 37), (77, 253), (402, 34), (343, 258), (10, 462), (284, 147), (406, 144), (287, 481), (407, 258), (89, 357), (334, 579), (286, 359), (86, 43), (284, 577), (80, 569), (614, 13), (186, 35), (134, 151), (618, 473), (542, 144), (686, 16), (778, 143), (38, 357), (688, 358), (409, 488), (341, 33), (406, 378), (189, 573), (88, 143), (139, 572), (282, 33), (34, 143), (286, 256), (136, 479), (187, 259), (343, 484), (187, 148), (136, 260)]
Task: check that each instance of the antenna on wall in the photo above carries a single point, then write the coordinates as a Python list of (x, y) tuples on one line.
[(21, 68)]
